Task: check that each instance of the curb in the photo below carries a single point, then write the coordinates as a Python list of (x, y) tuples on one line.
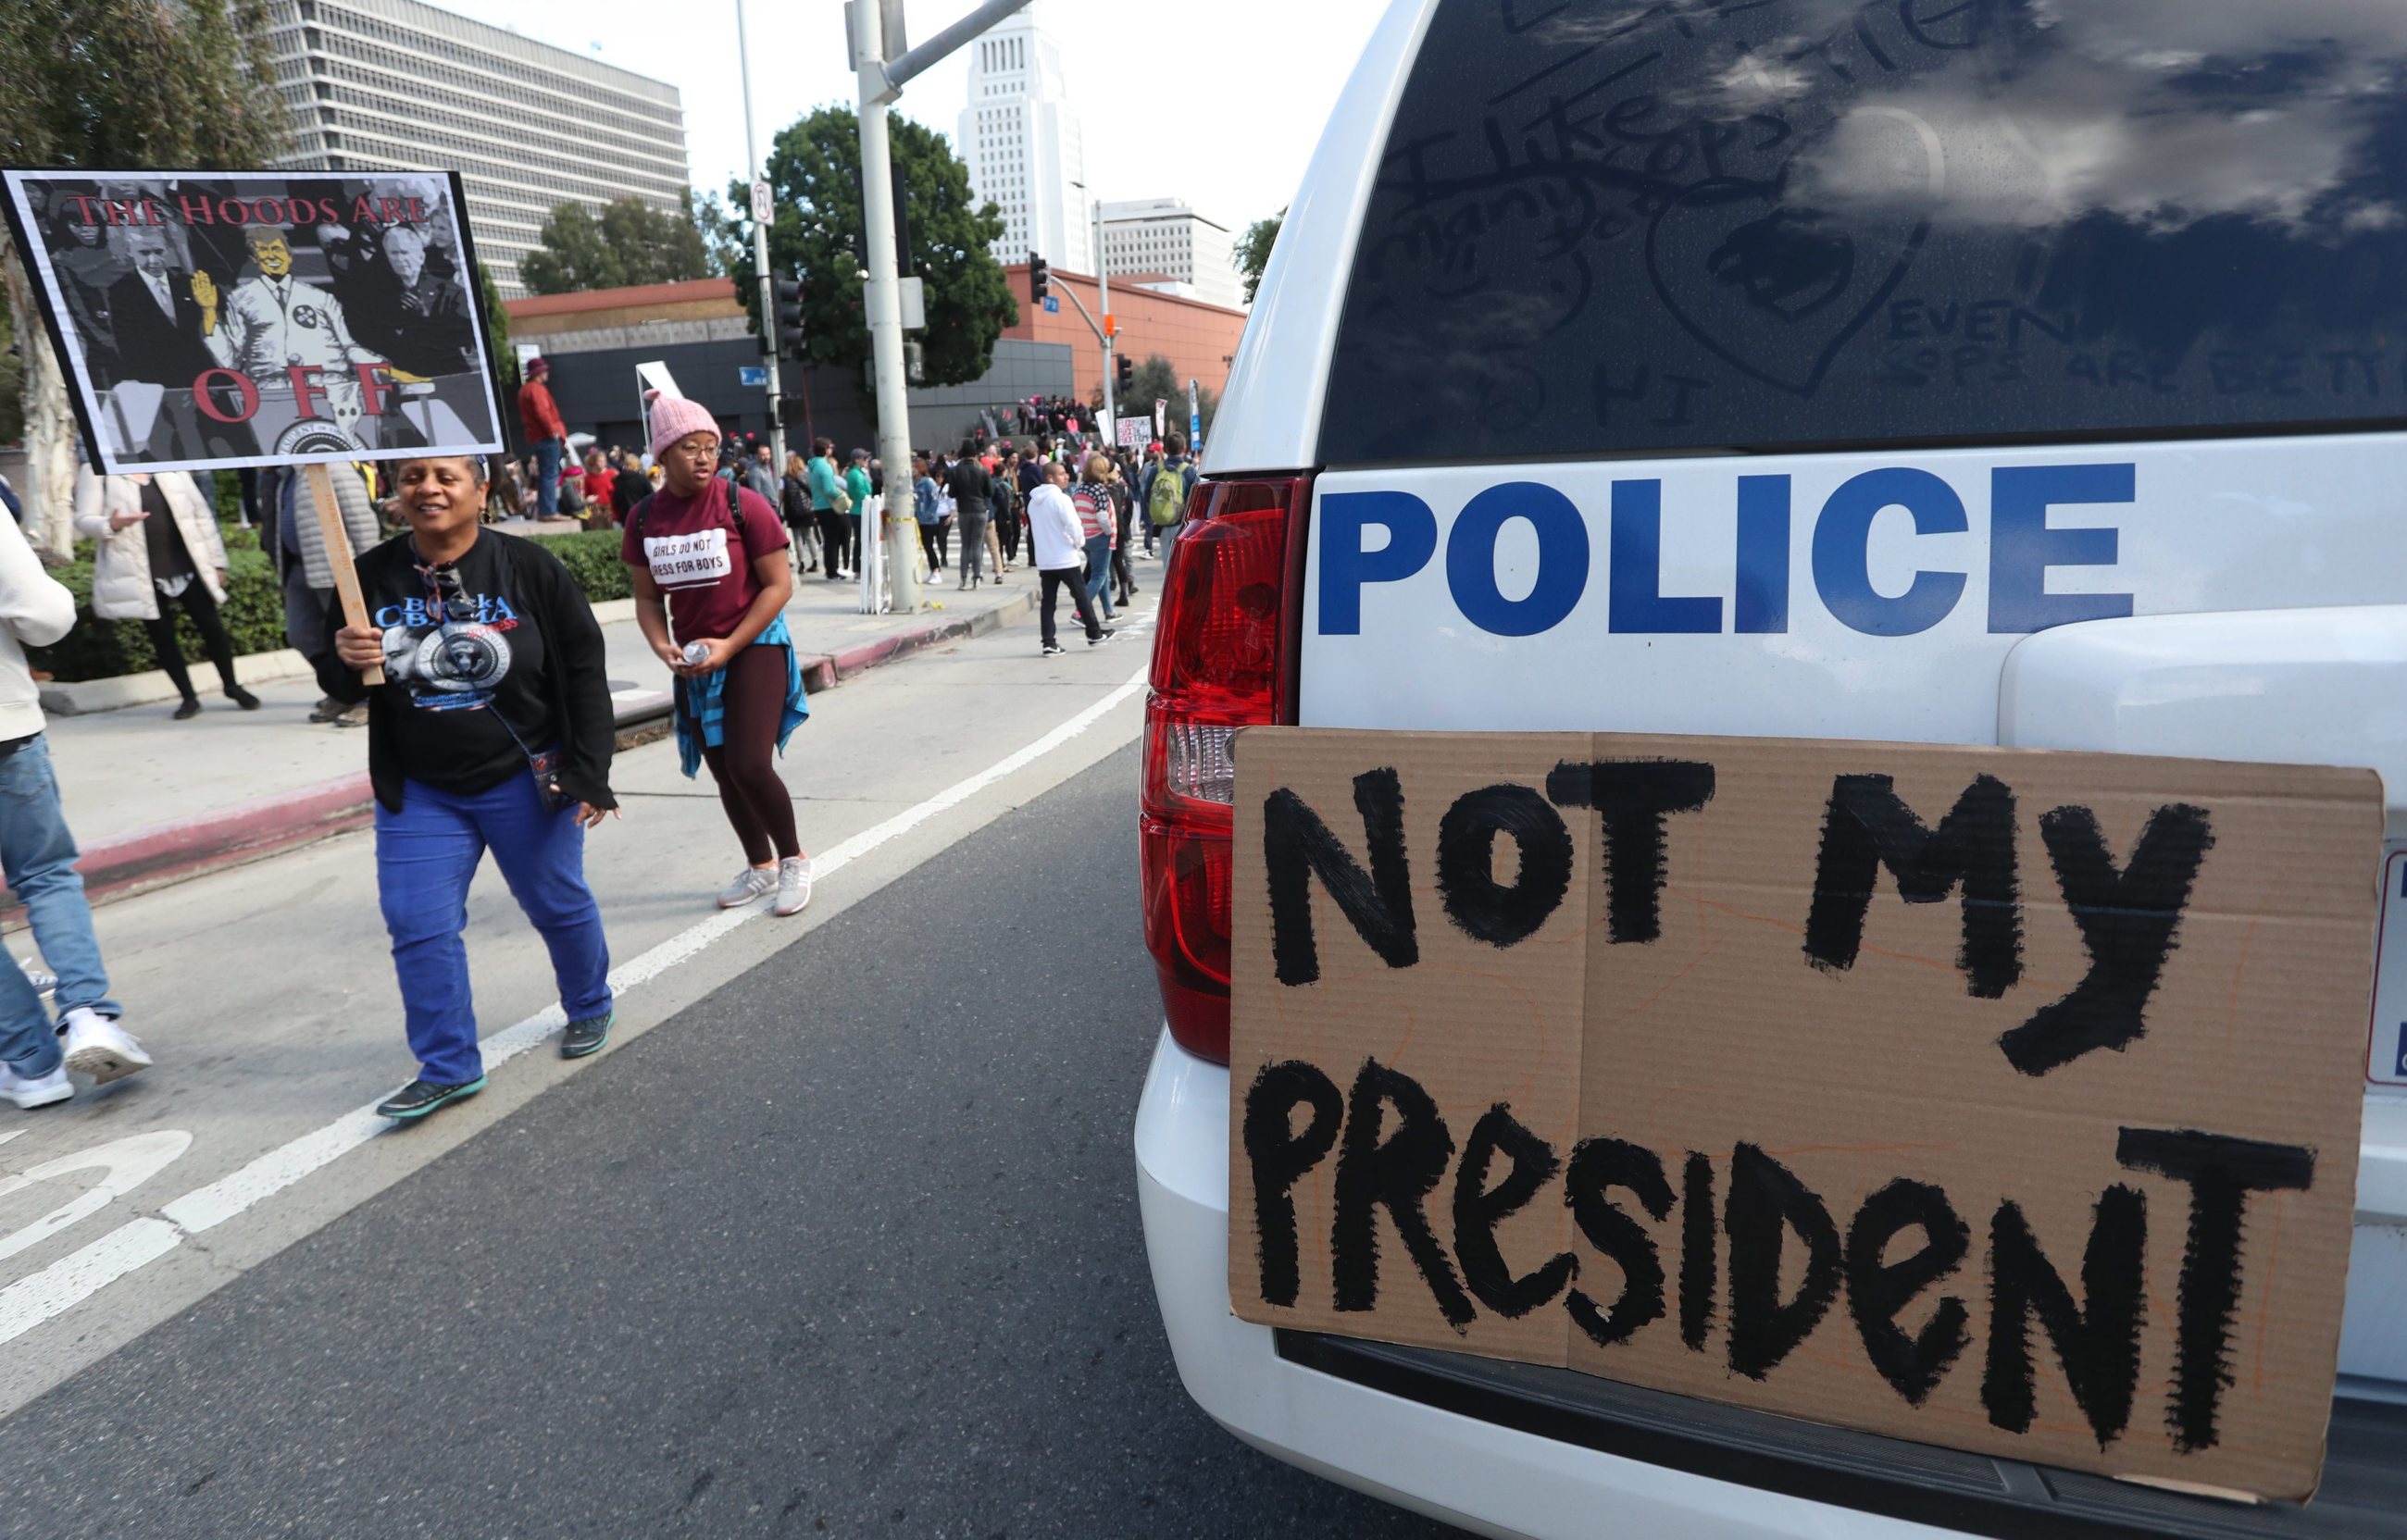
[(825, 670), (86, 697), (144, 859), (164, 854)]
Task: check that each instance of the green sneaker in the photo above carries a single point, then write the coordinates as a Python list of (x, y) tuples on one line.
[(586, 1035), (420, 1097)]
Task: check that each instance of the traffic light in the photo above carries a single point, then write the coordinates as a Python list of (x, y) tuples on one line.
[(1040, 279), (1127, 373), (791, 342)]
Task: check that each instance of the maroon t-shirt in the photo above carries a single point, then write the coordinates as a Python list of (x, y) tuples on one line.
[(700, 555)]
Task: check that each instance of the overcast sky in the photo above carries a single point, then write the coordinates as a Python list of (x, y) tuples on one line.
[(1227, 125)]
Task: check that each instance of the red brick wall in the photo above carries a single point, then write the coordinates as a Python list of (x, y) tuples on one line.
[(1198, 339)]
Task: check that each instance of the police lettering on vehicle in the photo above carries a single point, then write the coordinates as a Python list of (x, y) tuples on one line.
[(2023, 548)]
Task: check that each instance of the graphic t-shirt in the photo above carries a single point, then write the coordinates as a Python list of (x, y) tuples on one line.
[(701, 559), (472, 667)]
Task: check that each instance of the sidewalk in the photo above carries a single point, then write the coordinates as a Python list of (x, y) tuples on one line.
[(153, 800)]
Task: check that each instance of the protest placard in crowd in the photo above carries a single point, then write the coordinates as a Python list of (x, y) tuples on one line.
[(218, 319), (1960, 1094)]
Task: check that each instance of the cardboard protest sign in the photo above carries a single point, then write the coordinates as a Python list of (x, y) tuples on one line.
[(230, 318), (2002, 1099)]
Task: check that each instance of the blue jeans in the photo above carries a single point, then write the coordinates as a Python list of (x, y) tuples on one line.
[(546, 478), (1099, 573), (38, 857), (427, 855)]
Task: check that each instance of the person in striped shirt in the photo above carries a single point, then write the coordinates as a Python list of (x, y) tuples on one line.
[(1099, 524)]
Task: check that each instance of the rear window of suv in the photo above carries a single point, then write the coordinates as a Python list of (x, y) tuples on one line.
[(1764, 224)]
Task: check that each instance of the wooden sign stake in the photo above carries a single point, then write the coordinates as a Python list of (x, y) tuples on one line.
[(339, 553)]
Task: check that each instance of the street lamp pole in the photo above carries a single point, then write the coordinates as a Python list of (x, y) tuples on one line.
[(1103, 301), (883, 64), (758, 176)]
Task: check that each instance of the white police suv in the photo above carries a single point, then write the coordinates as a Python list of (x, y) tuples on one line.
[(2017, 372)]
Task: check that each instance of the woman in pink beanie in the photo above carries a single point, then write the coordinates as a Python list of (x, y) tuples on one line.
[(711, 578)]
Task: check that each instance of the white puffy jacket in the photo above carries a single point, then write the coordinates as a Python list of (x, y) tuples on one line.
[(36, 610), (121, 589)]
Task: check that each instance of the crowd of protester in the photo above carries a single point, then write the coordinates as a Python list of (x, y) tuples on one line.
[(480, 676)]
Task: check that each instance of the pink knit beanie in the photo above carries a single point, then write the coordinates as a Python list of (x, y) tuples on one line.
[(674, 417)]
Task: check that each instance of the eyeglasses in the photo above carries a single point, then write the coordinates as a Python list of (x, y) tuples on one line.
[(449, 589)]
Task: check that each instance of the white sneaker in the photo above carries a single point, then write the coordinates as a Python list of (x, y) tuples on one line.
[(749, 884), (30, 1091), (794, 885), (98, 1047)]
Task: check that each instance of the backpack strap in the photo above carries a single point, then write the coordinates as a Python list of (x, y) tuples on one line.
[(735, 515)]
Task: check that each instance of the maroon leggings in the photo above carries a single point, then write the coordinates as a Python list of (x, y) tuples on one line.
[(750, 787)]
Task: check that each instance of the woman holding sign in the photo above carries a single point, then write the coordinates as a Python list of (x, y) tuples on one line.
[(708, 556), (491, 731)]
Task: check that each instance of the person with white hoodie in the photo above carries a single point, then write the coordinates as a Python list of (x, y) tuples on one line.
[(37, 855), (1058, 540)]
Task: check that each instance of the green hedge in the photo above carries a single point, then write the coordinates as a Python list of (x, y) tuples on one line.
[(591, 558), (254, 610), (102, 649)]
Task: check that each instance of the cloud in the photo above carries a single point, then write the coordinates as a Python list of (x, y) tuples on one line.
[(2163, 135)]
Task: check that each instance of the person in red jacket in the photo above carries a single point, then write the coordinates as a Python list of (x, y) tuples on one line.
[(540, 417)]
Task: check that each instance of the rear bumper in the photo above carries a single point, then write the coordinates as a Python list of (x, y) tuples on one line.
[(1481, 1475), (1506, 1450)]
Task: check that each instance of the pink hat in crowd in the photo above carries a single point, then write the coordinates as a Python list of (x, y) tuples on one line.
[(674, 417)]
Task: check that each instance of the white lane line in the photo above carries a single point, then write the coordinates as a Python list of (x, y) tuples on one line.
[(39, 1296)]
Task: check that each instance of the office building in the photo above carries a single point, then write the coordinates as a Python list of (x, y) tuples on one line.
[(696, 333), (401, 85), (1020, 137), (1163, 236), (1199, 340)]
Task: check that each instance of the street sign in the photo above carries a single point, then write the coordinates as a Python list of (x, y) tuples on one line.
[(762, 213), (1052, 304), (754, 375), (915, 304)]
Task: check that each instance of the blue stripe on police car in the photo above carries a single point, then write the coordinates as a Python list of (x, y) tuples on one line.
[(2022, 549)]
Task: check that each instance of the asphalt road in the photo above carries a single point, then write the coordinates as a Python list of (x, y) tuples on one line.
[(850, 1246)]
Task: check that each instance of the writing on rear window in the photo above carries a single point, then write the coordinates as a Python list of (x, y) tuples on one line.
[(2024, 547), (1766, 224)]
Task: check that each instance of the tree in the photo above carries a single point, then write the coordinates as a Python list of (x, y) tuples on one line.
[(1156, 381), (817, 236), (119, 85), (632, 243), (570, 255), (1254, 250), (12, 375), (720, 240), (497, 325)]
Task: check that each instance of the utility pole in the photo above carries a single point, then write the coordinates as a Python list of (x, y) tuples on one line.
[(761, 208), (883, 66), (1103, 300)]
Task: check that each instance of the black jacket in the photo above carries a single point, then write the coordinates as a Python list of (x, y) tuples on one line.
[(971, 486), (585, 726), (150, 347)]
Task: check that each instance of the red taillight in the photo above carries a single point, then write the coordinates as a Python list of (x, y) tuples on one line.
[(1223, 658)]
